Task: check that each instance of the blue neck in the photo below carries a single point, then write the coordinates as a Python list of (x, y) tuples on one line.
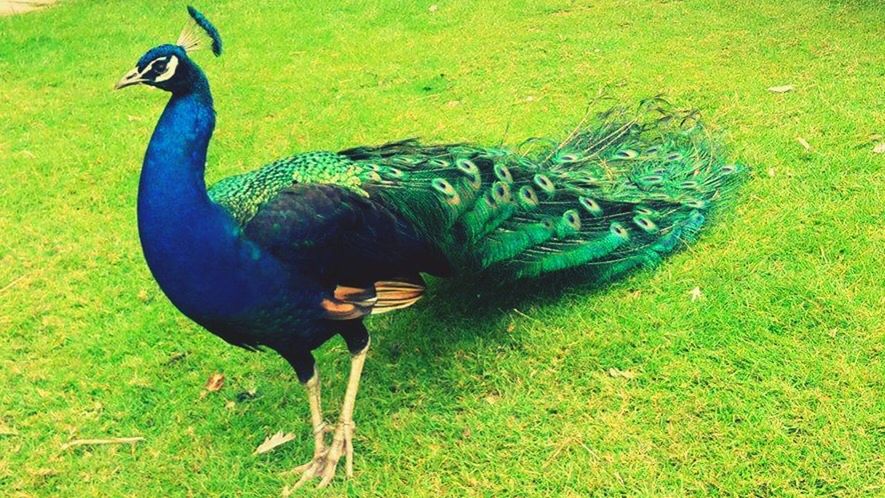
[(172, 182), (192, 246)]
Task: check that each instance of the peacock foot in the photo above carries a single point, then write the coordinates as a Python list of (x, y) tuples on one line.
[(325, 462)]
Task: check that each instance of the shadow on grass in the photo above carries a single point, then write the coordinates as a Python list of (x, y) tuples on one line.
[(457, 313)]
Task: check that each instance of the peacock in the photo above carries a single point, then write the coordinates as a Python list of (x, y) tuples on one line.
[(288, 256)]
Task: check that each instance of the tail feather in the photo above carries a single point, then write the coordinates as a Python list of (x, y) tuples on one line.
[(623, 191)]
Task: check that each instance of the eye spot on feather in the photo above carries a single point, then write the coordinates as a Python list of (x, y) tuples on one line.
[(591, 206), (572, 219), (375, 177), (548, 224), (619, 230), (445, 188), (528, 197), (568, 158), (405, 160), (391, 172), (439, 163), (652, 150), (503, 173), (645, 224), (644, 211), (588, 181), (689, 184), (695, 203), (652, 180), (501, 193), (674, 156), (626, 154), (544, 183), (469, 168), (373, 167), (493, 153), (728, 169)]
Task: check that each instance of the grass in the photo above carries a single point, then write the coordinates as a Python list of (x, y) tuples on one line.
[(770, 384)]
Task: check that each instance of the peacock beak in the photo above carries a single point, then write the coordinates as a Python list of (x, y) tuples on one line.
[(131, 78)]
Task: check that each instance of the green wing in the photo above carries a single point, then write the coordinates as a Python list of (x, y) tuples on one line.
[(242, 195)]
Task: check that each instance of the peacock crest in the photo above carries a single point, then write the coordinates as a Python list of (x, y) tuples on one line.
[(199, 33)]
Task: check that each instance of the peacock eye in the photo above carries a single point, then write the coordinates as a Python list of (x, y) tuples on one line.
[(160, 67)]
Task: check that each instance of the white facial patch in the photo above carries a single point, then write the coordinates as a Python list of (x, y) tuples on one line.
[(170, 69)]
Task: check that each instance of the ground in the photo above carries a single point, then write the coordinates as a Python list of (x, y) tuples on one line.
[(750, 364), (14, 7)]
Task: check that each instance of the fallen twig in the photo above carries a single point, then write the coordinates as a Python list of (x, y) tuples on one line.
[(90, 442), (10, 284), (520, 313)]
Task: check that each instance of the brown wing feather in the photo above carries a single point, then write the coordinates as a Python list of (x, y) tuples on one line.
[(349, 303)]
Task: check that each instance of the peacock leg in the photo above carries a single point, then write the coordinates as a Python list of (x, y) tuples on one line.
[(316, 415), (326, 458), (342, 442), (314, 467)]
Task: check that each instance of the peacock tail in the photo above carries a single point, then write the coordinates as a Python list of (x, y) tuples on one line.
[(622, 191)]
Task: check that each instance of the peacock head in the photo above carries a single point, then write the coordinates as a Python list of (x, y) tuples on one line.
[(168, 67)]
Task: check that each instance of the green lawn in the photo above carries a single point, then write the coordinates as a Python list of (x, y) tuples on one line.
[(771, 384)]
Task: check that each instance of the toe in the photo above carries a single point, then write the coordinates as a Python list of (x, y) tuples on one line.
[(309, 474), (332, 458), (301, 468)]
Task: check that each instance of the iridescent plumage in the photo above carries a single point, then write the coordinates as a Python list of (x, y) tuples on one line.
[(623, 191)]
